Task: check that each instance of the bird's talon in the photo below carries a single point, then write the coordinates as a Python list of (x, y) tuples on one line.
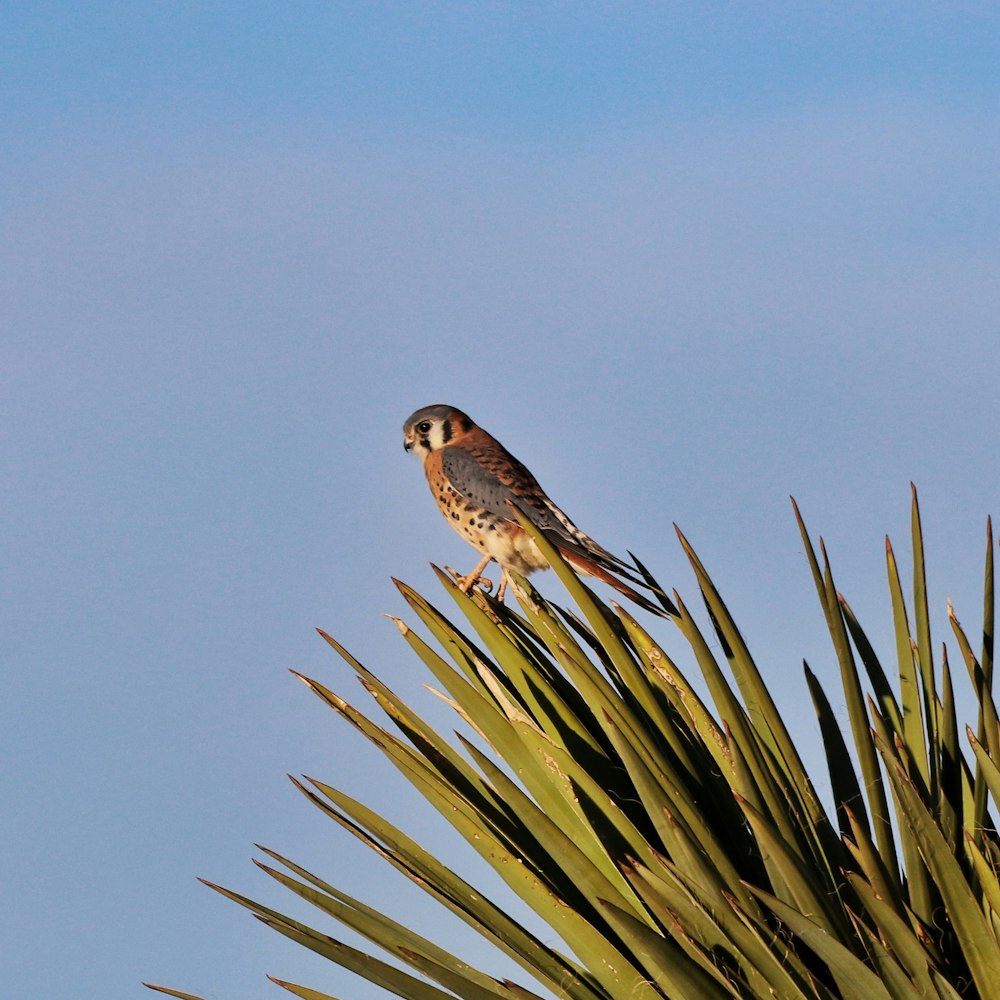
[(466, 583)]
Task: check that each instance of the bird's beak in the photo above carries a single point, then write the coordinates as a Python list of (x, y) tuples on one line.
[(407, 444)]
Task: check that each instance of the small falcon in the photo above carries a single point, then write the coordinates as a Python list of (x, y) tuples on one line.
[(475, 480)]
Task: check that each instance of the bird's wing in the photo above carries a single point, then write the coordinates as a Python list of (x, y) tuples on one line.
[(491, 477), (488, 475)]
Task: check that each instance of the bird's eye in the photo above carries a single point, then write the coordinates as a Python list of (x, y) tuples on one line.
[(424, 426)]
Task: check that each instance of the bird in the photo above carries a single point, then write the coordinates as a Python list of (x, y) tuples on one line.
[(477, 484)]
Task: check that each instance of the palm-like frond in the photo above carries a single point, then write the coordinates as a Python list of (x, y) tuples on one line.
[(680, 849)]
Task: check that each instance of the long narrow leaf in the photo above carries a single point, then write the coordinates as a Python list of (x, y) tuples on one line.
[(854, 979), (925, 654), (430, 874), (986, 661), (877, 807), (975, 937)]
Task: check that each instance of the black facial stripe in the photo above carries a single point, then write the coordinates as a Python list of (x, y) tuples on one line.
[(466, 423), (425, 442), (446, 430)]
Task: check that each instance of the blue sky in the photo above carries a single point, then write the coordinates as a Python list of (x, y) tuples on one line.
[(684, 260)]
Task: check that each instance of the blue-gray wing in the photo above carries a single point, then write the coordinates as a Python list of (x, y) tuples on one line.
[(490, 477)]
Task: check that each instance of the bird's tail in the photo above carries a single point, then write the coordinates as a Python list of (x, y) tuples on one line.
[(591, 568)]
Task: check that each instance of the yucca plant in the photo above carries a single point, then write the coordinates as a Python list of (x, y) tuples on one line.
[(679, 849)]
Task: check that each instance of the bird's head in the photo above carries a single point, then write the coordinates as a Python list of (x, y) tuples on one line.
[(434, 427)]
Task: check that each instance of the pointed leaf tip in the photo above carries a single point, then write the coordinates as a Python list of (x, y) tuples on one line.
[(443, 576), (404, 629)]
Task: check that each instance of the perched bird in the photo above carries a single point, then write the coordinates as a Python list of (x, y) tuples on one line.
[(475, 482)]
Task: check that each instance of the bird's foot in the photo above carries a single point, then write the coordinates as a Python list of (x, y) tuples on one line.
[(466, 583)]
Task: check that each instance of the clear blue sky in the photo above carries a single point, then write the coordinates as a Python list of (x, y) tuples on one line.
[(683, 259)]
